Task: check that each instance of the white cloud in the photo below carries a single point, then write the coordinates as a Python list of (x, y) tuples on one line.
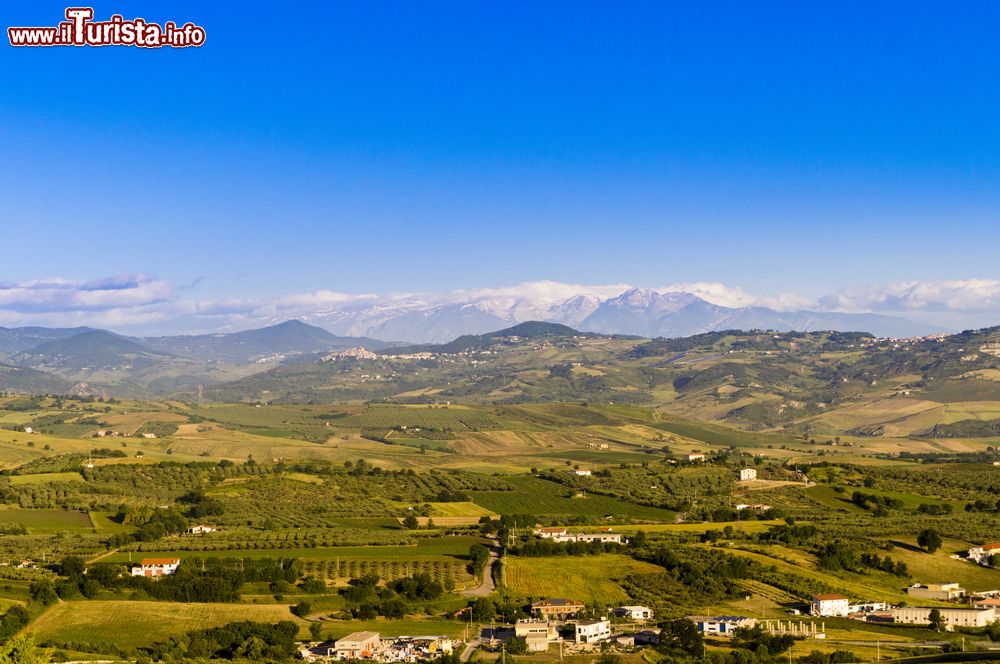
[(714, 292), (965, 295), (43, 296), (134, 302)]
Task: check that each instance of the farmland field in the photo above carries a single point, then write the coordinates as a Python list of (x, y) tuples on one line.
[(129, 624), (587, 579), (47, 520), (543, 497)]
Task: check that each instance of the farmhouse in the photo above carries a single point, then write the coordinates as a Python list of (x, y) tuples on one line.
[(357, 645), (747, 474), (156, 567), (694, 456), (982, 554), (938, 591), (583, 473), (721, 625), (758, 507), (592, 631), (556, 608), (550, 533), (639, 613), (830, 605), (605, 537), (957, 617), (200, 530)]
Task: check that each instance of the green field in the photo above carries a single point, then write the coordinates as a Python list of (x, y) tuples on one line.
[(129, 624), (546, 498), (584, 578), (40, 478), (47, 520)]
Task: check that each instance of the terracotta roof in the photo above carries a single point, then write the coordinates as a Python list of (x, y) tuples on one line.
[(557, 602), (990, 547)]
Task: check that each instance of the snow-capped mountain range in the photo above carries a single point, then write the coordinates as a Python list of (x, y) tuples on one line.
[(422, 318)]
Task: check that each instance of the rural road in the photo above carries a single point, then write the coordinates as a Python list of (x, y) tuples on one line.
[(486, 586), (470, 648)]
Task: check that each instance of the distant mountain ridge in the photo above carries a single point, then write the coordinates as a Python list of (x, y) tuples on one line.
[(290, 338), (635, 311)]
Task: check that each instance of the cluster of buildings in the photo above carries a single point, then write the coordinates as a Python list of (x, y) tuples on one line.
[(983, 555), (981, 610), (560, 534), (371, 646), (549, 615)]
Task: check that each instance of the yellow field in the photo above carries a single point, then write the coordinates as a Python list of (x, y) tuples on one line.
[(584, 578), (129, 624)]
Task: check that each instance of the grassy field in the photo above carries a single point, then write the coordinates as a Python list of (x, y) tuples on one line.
[(41, 478), (584, 578), (47, 520), (130, 624), (547, 498)]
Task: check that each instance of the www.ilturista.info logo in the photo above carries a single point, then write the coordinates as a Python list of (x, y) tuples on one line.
[(79, 29)]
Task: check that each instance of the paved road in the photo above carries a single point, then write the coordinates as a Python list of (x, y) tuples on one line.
[(470, 648), (486, 586)]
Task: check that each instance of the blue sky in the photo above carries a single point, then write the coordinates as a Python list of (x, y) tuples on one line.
[(385, 146)]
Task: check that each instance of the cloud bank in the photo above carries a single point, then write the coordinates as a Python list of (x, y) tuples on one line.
[(141, 303)]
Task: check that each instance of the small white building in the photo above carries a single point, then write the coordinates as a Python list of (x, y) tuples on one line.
[(555, 532), (721, 625), (748, 474), (605, 537), (357, 645), (583, 473), (200, 530), (536, 634), (28, 430), (154, 567), (830, 605), (592, 631), (695, 456), (637, 613)]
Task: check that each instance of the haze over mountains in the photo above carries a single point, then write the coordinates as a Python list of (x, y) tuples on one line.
[(636, 311)]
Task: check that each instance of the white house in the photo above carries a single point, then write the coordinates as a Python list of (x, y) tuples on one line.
[(357, 645), (638, 613), (592, 631), (200, 530), (553, 533), (694, 456), (583, 473), (982, 554), (747, 474), (830, 605), (606, 538), (28, 430), (153, 567), (721, 625)]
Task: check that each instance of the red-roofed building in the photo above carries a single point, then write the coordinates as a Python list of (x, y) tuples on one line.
[(156, 567)]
